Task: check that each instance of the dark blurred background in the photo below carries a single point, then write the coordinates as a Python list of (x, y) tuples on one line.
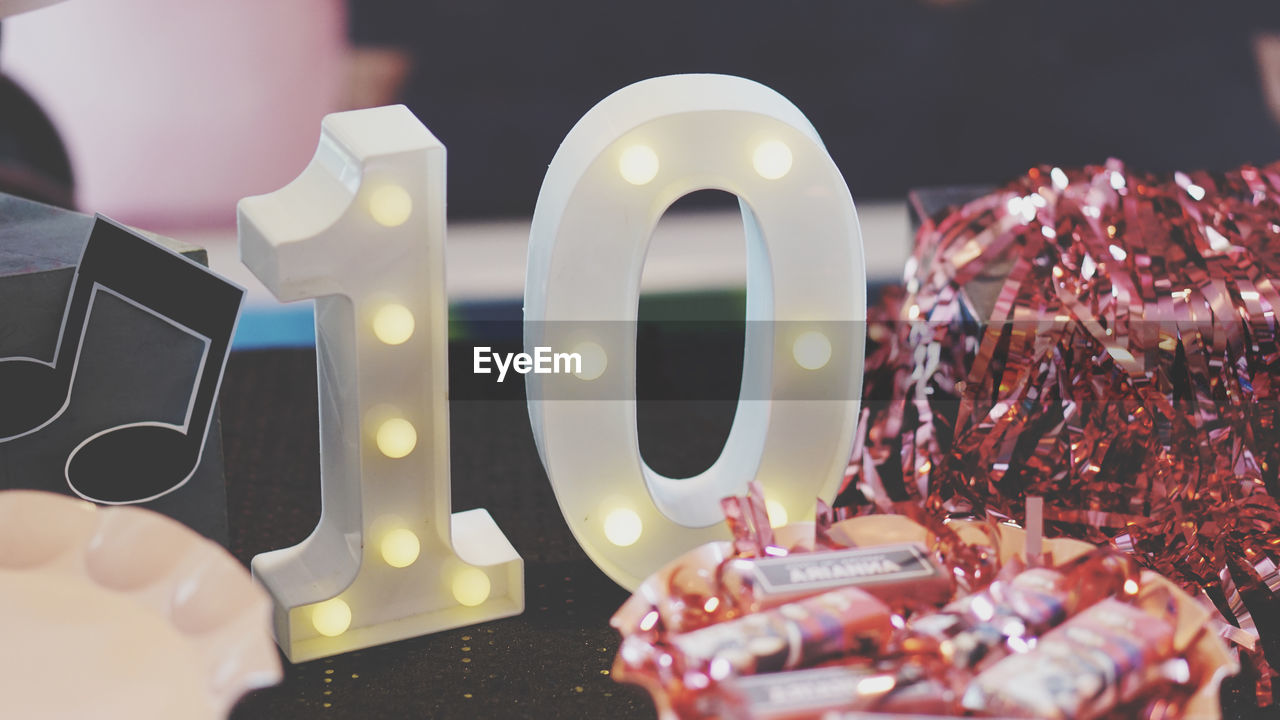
[(904, 93)]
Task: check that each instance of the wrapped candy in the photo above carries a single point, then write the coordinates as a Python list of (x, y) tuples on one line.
[(1010, 614), (1106, 339), (1108, 655), (841, 622), (846, 654), (902, 575), (722, 581), (863, 715), (816, 693)]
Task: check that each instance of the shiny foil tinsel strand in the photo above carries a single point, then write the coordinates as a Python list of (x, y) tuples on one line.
[(1106, 339)]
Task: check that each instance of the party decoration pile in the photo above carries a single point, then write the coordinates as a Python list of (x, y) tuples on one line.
[(1122, 364), (867, 615)]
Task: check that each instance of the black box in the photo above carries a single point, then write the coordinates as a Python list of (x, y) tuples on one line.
[(133, 366)]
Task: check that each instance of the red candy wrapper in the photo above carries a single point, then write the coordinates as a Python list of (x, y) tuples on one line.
[(706, 586), (758, 571), (1105, 339), (902, 575), (845, 652), (815, 694), (838, 623), (1008, 616), (1108, 655), (862, 715), (844, 622)]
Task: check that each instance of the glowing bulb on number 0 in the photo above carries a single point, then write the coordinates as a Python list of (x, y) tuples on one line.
[(638, 164), (772, 159), (812, 350), (594, 361), (623, 527), (777, 513)]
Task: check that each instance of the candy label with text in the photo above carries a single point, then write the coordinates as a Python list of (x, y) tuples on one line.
[(833, 569)]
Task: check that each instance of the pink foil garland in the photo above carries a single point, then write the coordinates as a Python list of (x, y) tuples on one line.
[(1105, 339)]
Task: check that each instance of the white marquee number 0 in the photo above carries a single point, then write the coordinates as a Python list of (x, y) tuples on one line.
[(618, 170), (362, 230)]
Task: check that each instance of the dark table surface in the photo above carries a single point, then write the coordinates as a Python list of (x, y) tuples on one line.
[(551, 662)]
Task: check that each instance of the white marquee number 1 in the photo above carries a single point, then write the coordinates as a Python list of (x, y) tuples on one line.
[(618, 170), (362, 230)]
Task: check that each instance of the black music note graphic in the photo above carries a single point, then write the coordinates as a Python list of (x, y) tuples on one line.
[(139, 461)]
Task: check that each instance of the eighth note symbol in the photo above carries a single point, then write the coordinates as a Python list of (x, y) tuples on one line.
[(139, 461)]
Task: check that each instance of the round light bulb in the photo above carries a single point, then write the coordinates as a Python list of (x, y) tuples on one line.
[(397, 438), (777, 513), (471, 586), (400, 548), (594, 361), (623, 527), (772, 159), (390, 205), (811, 350), (393, 324), (638, 164), (331, 618)]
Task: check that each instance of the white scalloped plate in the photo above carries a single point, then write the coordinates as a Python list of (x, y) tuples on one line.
[(120, 612)]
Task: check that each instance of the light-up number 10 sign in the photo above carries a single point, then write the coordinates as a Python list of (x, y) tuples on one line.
[(362, 231), (619, 169)]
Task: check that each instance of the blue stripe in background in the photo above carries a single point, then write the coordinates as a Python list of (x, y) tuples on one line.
[(294, 326), (276, 327)]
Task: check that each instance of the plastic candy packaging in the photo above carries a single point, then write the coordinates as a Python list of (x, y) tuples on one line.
[(1107, 655), (976, 630)]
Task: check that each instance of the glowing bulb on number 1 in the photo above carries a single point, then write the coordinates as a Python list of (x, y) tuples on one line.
[(393, 324), (400, 548), (397, 438), (471, 587), (390, 205), (331, 618)]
